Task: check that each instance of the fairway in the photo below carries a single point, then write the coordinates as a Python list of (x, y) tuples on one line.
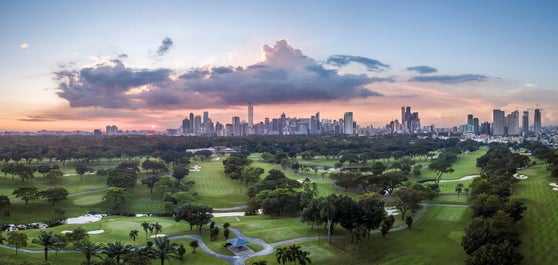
[(539, 235), (214, 189)]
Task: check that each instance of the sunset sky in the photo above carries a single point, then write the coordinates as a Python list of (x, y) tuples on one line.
[(82, 65)]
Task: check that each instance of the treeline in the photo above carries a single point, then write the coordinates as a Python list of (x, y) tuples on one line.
[(86, 149), (493, 236)]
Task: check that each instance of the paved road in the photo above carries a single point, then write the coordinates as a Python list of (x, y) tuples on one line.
[(267, 248)]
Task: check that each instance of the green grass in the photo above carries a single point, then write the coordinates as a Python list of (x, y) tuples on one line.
[(539, 235), (433, 239), (214, 188)]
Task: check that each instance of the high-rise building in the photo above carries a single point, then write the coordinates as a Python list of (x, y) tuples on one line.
[(498, 122), (250, 130), (348, 123), (111, 130), (236, 126), (476, 125), (537, 125), (192, 128), (525, 122), (470, 119), (185, 126), (197, 124), (513, 123)]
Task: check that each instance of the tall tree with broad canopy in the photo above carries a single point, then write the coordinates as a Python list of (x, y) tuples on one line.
[(196, 215), (26, 193), (55, 195), (407, 199), (17, 240)]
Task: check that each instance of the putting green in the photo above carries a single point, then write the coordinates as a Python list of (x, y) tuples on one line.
[(89, 199)]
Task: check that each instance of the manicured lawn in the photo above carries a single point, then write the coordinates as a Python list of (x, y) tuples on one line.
[(214, 188), (434, 239), (539, 234)]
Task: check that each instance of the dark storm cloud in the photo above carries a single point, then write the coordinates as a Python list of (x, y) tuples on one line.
[(166, 44), (122, 56), (371, 64), (286, 75), (422, 69), (449, 79)]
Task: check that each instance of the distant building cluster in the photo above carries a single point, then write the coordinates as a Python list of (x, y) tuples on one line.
[(504, 125), (194, 125), (410, 122)]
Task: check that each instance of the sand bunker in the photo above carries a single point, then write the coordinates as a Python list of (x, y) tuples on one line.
[(553, 184), (391, 210), (85, 219), (96, 232), (158, 235), (228, 214), (461, 179), (517, 176), (66, 232), (195, 168)]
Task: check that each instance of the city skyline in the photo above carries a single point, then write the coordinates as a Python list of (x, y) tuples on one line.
[(81, 66)]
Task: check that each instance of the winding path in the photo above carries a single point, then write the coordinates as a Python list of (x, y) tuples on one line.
[(267, 248)]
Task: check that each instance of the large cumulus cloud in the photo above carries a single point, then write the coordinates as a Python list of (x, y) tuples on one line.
[(285, 75)]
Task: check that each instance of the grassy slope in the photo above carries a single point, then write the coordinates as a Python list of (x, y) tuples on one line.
[(434, 239), (214, 188), (538, 228)]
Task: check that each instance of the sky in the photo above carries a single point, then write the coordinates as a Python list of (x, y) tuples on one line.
[(82, 65)]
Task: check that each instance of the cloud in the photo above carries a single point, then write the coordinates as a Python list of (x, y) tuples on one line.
[(285, 75), (122, 56), (166, 44), (449, 79), (422, 69), (371, 64), (24, 45)]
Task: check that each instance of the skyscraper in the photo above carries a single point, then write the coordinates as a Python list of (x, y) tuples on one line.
[(185, 126), (525, 122), (498, 122), (250, 130), (192, 123), (513, 123), (348, 123), (537, 125)]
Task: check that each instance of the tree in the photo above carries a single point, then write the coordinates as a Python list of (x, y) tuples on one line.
[(495, 254), (387, 224), (157, 227), (378, 167), (459, 189), (166, 184), (47, 240), (409, 221), (23, 171), (328, 211), (193, 244), (150, 182), (122, 178), (4, 202), (44, 169), (26, 193), (89, 249), (196, 215), (180, 172), (373, 212), (294, 254), (407, 199), (117, 196), (116, 250), (162, 249), (54, 174), (133, 235), (81, 169), (251, 174), (180, 251), (17, 240), (145, 225), (54, 195), (440, 167), (78, 234)]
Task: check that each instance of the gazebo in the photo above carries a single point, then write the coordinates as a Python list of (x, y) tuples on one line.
[(238, 242)]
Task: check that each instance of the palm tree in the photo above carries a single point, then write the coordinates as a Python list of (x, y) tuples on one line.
[(47, 240), (163, 248), (90, 249), (328, 211), (459, 189), (259, 262), (116, 249), (133, 235), (145, 225), (158, 227), (282, 255)]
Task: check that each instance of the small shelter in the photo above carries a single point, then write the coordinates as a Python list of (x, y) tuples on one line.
[(238, 242)]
